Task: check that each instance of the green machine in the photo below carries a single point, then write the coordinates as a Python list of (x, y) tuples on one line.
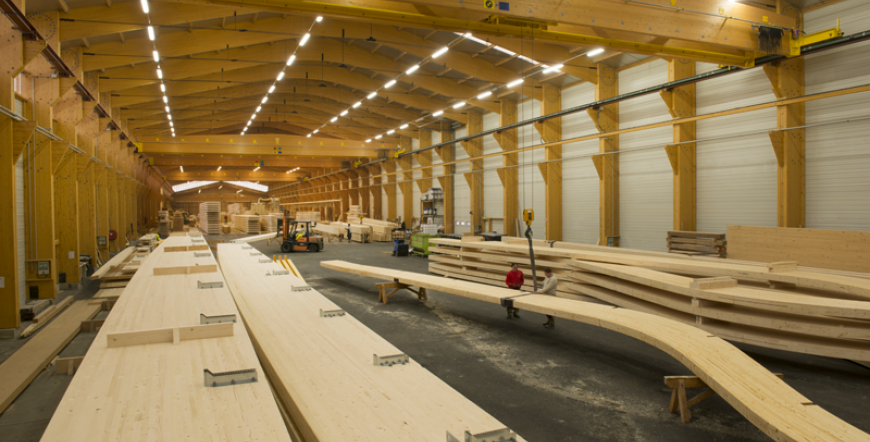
[(420, 243)]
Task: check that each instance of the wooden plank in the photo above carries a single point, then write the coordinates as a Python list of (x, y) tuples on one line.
[(22, 367), (40, 320), (157, 336), (828, 249), (771, 405), (185, 270), (68, 366), (119, 258)]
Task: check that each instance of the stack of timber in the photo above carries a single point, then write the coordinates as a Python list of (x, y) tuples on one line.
[(328, 375), (353, 213), (234, 208), (43, 317), (247, 223), (259, 209), (697, 243), (776, 305), (163, 229), (765, 400), (845, 250), (381, 230), (330, 232), (121, 267), (308, 216), (210, 217), (149, 239), (358, 232), (177, 222), (269, 223), (144, 377)]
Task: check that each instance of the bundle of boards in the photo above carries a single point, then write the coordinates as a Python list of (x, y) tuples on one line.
[(247, 223), (210, 218), (381, 230), (775, 305)]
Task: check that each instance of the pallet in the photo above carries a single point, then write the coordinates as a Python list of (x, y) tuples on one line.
[(697, 243)]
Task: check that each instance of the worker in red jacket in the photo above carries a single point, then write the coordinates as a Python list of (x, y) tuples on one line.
[(514, 281)]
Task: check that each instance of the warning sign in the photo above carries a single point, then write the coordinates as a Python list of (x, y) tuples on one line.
[(490, 4)]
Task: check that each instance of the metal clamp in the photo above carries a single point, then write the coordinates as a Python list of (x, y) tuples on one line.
[(300, 288), (219, 319), (265, 260), (229, 377), (502, 435), (389, 361), (201, 254), (256, 253), (279, 272), (331, 313), (246, 247), (210, 285)]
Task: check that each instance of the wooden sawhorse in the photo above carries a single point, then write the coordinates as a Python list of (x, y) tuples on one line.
[(383, 296), (679, 384)]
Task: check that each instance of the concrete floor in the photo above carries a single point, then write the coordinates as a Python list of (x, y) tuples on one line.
[(573, 383)]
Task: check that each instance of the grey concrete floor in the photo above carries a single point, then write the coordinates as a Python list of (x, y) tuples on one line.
[(573, 383)]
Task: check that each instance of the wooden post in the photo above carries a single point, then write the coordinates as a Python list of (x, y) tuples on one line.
[(10, 316), (474, 148), (509, 174), (606, 118), (377, 207), (407, 184), (550, 131), (390, 189), (425, 159), (681, 104), (446, 153)]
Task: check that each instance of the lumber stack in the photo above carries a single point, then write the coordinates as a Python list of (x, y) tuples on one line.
[(258, 209), (210, 217), (143, 376), (163, 228), (177, 223), (326, 376), (358, 232), (381, 230), (765, 400), (353, 212), (797, 309), (247, 223), (697, 243), (234, 208), (308, 216), (845, 250), (269, 223)]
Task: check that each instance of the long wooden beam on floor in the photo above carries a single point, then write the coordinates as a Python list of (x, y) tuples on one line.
[(157, 391), (320, 361), (765, 400)]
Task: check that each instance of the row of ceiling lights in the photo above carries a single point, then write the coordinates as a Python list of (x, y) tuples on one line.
[(281, 74), (156, 56)]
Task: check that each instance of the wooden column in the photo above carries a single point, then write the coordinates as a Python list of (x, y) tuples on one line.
[(474, 148), (407, 184), (364, 189), (425, 159), (681, 104), (390, 189), (377, 204), (446, 153), (86, 133), (550, 131), (10, 316), (789, 146), (509, 174), (606, 119)]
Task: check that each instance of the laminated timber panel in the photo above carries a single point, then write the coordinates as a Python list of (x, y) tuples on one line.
[(155, 391), (829, 249), (765, 400), (324, 375)]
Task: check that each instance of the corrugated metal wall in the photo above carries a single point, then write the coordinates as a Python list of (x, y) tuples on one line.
[(736, 176), (493, 191), (645, 177), (531, 183), (579, 178), (838, 158), (461, 191)]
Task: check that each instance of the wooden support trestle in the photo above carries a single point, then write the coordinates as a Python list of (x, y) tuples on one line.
[(383, 296), (679, 400)]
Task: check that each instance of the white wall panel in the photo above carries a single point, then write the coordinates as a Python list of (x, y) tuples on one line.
[(579, 178), (646, 179), (837, 156), (493, 191), (736, 177), (531, 184), (461, 191)]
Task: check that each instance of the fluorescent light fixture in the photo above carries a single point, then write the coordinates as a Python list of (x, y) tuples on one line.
[(333, 119), (458, 105), (248, 125), (594, 52), (291, 59), (308, 136), (280, 76), (378, 137), (343, 113), (222, 186), (357, 104), (169, 116), (219, 169), (404, 126), (166, 108), (272, 89), (553, 68), (151, 33), (144, 6), (515, 83), (253, 116), (239, 191), (315, 131), (467, 35), (156, 56), (438, 113), (165, 100), (389, 83), (390, 132), (259, 108), (172, 126), (440, 52), (173, 134), (505, 51), (484, 95), (159, 73), (182, 168), (372, 95), (162, 87), (304, 39), (199, 191), (256, 168), (412, 69), (318, 19), (265, 99), (369, 140)]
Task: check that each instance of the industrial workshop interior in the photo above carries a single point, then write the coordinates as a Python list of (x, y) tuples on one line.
[(430, 220)]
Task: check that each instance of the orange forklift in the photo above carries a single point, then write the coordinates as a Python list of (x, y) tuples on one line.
[(299, 236)]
